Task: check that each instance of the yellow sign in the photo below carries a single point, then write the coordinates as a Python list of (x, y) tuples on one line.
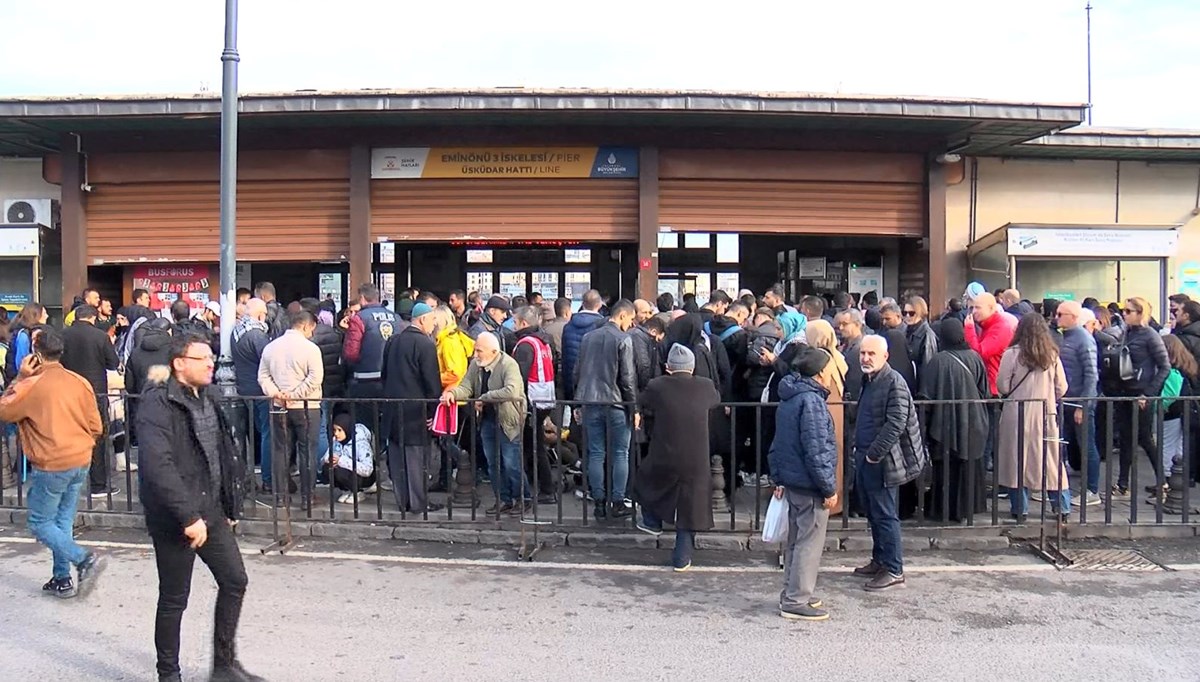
[(504, 162)]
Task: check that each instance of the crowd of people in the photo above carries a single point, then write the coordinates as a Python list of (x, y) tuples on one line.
[(788, 397)]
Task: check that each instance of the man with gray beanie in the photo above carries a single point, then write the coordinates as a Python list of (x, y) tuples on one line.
[(674, 484)]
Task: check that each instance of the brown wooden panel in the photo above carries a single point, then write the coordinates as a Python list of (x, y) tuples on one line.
[(827, 208), (139, 167), (304, 220), (757, 164), (438, 210)]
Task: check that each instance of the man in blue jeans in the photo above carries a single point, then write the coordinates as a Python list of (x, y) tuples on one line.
[(1078, 353), (889, 452), (606, 383), (494, 379), (55, 411)]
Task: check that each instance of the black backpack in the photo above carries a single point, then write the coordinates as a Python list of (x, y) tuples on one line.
[(10, 358), (1116, 368)]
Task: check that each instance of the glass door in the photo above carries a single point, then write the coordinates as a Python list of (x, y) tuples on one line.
[(481, 281)]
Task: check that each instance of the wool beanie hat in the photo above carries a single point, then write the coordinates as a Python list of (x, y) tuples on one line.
[(680, 359)]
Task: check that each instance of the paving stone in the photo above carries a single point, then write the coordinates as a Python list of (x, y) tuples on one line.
[(1171, 531), (348, 530), (259, 528), (725, 542), (616, 540), (978, 543), (462, 536), (500, 537), (103, 520), (857, 543)]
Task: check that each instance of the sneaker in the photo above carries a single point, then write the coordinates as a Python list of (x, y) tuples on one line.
[(650, 530), (683, 569), (386, 486), (89, 570), (62, 588), (105, 493), (343, 498), (600, 511), (371, 490), (579, 494), (1118, 491), (764, 481), (550, 498), (884, 581), (503, 509), (1036, 496), (622, 510), (805, 612), (1093, 499), (870, 570)]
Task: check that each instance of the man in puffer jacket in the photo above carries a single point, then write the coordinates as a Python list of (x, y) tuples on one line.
[(153, 350), (889, 452), (804, 469), (582, 322)]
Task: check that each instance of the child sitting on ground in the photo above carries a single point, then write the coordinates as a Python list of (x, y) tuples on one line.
[(350, 457)]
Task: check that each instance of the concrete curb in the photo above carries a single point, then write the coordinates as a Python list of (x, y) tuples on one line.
[(980, 538)]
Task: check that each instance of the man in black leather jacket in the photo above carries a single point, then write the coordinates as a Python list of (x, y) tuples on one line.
[(605, 377)]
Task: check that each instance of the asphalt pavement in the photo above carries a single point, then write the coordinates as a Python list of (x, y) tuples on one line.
[(336, 610)]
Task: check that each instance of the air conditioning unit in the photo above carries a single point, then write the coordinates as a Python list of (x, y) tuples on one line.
[(30, 212)]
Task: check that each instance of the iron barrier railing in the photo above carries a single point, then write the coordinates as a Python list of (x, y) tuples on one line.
[(554, 478)]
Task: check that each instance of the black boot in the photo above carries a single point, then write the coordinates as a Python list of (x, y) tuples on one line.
[(233, 672)]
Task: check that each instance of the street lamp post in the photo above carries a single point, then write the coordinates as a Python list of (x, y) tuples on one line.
[(229, 102)]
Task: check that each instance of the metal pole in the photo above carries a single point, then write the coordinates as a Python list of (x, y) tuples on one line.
[(1088, 10), (229, 101)]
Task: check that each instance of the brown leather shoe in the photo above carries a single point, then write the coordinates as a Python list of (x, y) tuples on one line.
[(869, 571)]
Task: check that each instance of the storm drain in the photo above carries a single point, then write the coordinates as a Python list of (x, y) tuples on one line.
[(1108, 560)]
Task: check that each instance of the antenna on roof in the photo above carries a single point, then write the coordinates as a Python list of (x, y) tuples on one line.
[(1088, 10)]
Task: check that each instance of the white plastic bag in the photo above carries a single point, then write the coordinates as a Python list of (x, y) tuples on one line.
[(775, 526)]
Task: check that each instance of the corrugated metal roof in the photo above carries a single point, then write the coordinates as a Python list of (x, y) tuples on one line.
[(1116, 143), (973, 126)]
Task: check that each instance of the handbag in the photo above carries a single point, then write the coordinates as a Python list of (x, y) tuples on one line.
[(445, 420)]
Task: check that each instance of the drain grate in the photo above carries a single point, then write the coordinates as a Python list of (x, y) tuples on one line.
[(1108, 560)]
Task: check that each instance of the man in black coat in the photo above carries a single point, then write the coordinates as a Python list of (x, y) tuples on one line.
[(191, 474), (153, 350), (675, 482), (90, 354), (1187, 327), (410, 370)]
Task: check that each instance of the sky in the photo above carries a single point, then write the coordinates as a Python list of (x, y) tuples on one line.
[(1145, 54)]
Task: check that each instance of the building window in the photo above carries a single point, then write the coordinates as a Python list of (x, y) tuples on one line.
[(697, 240), (728, 248), (668, 240)]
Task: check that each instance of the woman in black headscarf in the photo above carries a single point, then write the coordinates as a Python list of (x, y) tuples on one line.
[(956, 428), (688, 331)]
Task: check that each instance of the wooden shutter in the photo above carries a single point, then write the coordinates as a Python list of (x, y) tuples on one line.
[(795, 207), (277, 220), (505, 209)]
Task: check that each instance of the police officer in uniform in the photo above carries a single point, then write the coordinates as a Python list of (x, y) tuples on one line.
[(366, 335)]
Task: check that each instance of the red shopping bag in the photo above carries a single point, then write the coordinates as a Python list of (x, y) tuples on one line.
[(445, 420)]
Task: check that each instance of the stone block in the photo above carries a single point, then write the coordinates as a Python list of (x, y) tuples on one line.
[(915, 544), (511, 538), (462, 536), (1176, 530), (970, 542), (857, 543), (348, 530), (258, 528), (833, 544), (723, 542), (94, 519), (612, 540)]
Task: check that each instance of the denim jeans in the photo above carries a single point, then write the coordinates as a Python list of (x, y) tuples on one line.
[(323, 438), (605, 426), (1074, 437), (1018, 501), (684, 539), (503, 459), (52, 499), (262, 429), (881, 502)]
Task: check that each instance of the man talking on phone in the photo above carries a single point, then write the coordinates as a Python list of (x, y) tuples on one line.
[(191, 472), (55, 411)]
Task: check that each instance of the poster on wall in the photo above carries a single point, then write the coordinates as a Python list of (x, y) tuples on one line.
[(331, 284), (168, 284), (1188, 279), (863, 280), (811, 268)]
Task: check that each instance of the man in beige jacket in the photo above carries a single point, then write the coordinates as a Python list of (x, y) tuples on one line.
[(290, 375)]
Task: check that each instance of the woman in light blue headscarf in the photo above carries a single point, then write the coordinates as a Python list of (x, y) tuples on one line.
[(785, 349), (793, 325)]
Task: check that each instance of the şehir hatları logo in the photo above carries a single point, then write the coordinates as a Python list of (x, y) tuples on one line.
[(1027, 242)]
